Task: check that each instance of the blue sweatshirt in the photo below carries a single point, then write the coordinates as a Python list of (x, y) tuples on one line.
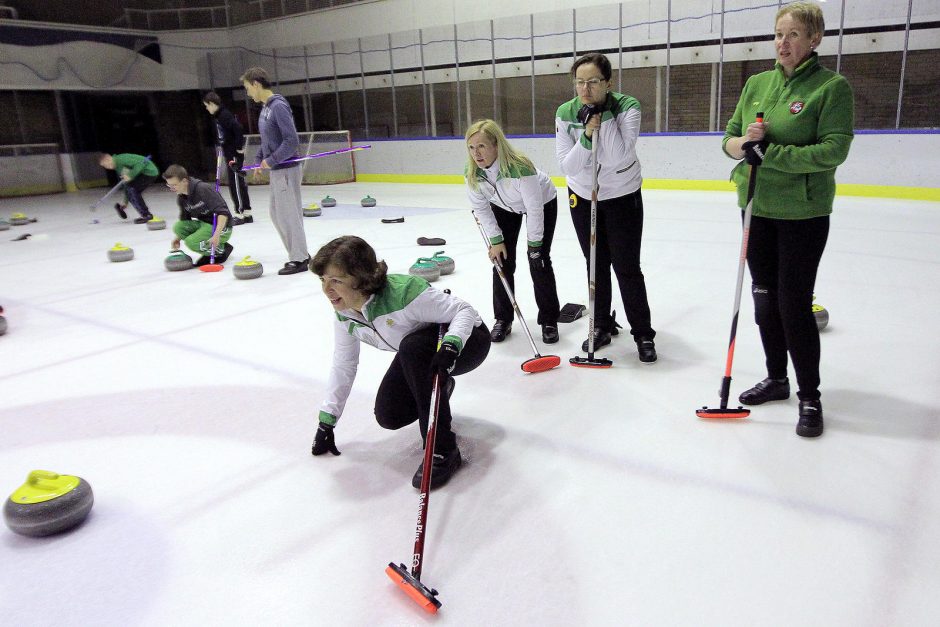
[(279, 140)]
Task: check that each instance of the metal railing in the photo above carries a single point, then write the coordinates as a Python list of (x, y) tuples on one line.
[(223, 16)]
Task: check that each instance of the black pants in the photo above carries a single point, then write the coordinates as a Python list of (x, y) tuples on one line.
[(543, 276), (783, 257), (134, 190), (405, 393), (237, 186), (619, 235)]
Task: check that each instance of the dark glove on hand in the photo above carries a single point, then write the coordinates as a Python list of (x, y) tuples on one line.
[(445, 358), (324, 442), (754, 151), (535, 257), (586, 111)]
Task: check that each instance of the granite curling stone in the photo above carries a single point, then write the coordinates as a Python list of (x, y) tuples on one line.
[(446, 264), (426, 268), (177, 261), (328, 201), (48, 503), (120, 252), (312, 210), (248, 268), (4, 225), (822, 317), (156, 224), (368, 201), (19, 219)]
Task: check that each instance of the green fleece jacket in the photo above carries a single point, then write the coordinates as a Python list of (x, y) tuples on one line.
[(809, 119), (134, 165)]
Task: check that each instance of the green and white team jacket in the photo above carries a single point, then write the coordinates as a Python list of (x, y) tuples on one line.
[(619, 168), (523, 191), (406, 304)]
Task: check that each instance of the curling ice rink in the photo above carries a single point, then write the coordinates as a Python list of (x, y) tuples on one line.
[(189, 403)]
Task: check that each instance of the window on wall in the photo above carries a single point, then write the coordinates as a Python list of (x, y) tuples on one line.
[(381, 112), (515, 102), (411, 111), (641, 84), (874, 81), (479, 95), (353, 115), (551, 90), (446, 119), (323, 108)]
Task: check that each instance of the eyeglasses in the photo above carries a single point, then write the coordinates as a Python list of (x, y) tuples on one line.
[(592, 83)]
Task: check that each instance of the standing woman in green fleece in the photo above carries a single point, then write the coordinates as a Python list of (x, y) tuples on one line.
[(805, 134)]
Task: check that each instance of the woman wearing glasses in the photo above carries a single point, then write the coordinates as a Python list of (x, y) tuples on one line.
[(612, 119)]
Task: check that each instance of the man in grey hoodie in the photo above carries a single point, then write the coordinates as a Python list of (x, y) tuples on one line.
[(279, 143)]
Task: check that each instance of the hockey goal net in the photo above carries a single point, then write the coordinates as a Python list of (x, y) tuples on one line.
[(339, 168)]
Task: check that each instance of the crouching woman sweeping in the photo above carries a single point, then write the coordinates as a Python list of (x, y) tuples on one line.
[(399, 313)]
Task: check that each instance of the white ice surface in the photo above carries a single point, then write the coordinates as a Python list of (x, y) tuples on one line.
[(189, 402)]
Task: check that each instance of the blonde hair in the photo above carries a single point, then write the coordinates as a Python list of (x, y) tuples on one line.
[(806, 13), (507, 156)]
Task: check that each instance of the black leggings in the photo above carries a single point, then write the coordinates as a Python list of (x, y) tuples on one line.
[(619, 235), (405, 393), (783, 257), (543, 276)]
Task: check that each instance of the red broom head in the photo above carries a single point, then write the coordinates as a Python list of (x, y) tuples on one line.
[(727, 412), (417, 591), (541, 363)]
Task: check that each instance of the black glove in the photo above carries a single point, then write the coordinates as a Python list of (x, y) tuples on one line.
[(586, 111), (445, 358), (535, 257), (754, 151), (324, 442)]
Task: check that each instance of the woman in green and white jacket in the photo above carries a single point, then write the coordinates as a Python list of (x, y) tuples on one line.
[(402, 314), (805, 134), (503, 185), (616, 120)]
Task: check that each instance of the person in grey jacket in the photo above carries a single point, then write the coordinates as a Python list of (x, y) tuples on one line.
[(279, 143), (205, 221), (402, 314)]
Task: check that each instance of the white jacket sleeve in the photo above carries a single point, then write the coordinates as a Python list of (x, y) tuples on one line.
[(484, 213), (534, 209), (342, 372), (572, 156), (626, 132), (434, 305)]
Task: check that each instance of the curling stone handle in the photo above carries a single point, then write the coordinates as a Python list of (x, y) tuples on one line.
[(38, 476)]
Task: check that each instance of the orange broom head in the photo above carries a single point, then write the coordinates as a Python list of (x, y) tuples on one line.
[(586, 362), (541, 363), (727, 412), (419, 593), (211, 267)]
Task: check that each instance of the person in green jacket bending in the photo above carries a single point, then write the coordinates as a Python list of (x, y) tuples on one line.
[(805, 134), (137, 172)]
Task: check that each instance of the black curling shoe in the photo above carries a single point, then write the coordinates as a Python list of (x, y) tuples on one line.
[(442, 469), (501, 329), (767, 390), (549, 333), (601, 339), (120, 210), (646, 349), (811, 420)]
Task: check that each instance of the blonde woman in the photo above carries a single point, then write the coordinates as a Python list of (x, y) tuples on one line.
[(503, 185)]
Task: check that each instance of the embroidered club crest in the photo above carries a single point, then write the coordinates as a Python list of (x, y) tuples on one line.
[(573, 201), (796, 107)]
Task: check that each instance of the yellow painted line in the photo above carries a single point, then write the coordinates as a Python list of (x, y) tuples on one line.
[(842, 189), (30, 190)]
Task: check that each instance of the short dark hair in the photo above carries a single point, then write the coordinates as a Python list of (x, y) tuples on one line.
[(175, 172), (256, 75), (355, 257), (213, 98), (596, 58)]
